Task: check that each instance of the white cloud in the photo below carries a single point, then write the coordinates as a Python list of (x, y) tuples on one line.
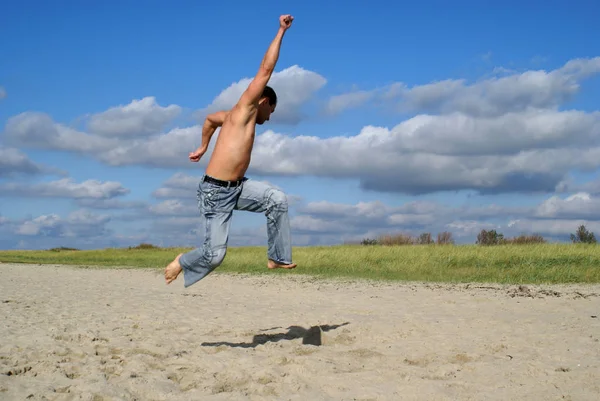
[(345, 220), (143, 117), (310, 224), (38, 130), (531, 151), (2, 93), (336, 222), (558, 228), (510, 133), (351, 100), (294, 87), (13, 161), (470, 228), (65, 188), (536, 89), (185, 231), (44, 225), (182, 186), (423, 154), (79, 223), (167, 150), (175, 223), (578, 206), (495, 135), (569, 186), (175, 207), (178, 186), (109, 203)]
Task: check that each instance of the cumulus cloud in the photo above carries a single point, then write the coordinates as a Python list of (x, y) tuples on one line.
[(167, 150), (510, 153), (183, 186), (294, 87), (178, 186), (184, 231), (577, 206), (554, 218), (175, 207), (13, 161), (109, 203), (175, 223), (470, 228), (449, 152), (65, 188), (79, 223), (143, 117), (568, 185), (495, 96), (559, 229), (38, 130), (372, 218), (498, 135), (113, 136), (338, 103)]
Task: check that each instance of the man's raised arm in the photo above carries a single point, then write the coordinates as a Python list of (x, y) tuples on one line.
[(256, 87)]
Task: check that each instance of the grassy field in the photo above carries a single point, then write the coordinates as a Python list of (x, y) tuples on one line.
[(513, 264)]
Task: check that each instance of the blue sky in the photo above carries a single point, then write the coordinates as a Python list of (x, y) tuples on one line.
[(430, 117)]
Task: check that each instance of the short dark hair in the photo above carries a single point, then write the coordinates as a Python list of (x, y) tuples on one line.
[(268, 92)]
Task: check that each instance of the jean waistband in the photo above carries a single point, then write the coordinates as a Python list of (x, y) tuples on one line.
[(224, 183)]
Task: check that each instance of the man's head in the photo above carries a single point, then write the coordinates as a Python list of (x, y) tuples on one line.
[(266, 105)]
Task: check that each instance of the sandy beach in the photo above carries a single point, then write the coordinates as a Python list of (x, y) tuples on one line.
[(101, 334)]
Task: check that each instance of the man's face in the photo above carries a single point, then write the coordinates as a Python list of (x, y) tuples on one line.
[(264, 111)]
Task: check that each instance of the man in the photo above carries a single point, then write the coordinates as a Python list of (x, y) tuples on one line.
[(224, 187)]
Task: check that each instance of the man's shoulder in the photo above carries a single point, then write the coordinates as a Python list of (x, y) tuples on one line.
[(241, 113)]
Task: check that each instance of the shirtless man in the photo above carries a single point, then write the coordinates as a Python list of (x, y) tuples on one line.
[(224, 188)]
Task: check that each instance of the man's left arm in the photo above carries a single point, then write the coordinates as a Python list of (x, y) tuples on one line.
[(211, 123)]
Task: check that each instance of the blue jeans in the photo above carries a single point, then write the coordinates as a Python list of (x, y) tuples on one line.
[(216, 204)]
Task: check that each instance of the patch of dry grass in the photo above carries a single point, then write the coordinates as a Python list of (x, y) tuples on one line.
[(504, 263)]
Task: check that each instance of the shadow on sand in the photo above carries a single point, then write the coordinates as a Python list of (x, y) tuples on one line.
[(310, 336)]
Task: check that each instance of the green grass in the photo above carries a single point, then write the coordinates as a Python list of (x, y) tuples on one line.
[(522, 264)]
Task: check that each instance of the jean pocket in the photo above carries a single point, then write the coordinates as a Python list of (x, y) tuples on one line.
[(208, 197)]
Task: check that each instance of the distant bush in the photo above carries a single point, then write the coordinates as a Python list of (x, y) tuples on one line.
[(485, 237), (425, 239), (583, 236), (396, 239), (526, 239), (490, 237), (445, 238), (62, 248), (144, 246)]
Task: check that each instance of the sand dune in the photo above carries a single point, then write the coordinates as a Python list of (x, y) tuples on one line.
[(86, 334)]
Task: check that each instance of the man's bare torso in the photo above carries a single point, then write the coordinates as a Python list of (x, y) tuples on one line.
[(232, 153), (231, 156)]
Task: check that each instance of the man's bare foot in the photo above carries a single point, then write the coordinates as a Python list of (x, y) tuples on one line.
[(173, 269), (274, 265)]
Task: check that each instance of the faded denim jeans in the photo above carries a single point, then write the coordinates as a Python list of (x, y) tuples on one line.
[(216, 204)]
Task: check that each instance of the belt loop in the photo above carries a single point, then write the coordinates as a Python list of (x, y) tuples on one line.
[(228, 184)]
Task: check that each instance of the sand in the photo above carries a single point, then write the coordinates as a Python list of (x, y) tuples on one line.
[(98, 334)]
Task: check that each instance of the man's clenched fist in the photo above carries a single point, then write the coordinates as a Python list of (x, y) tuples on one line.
[(285, 21)]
